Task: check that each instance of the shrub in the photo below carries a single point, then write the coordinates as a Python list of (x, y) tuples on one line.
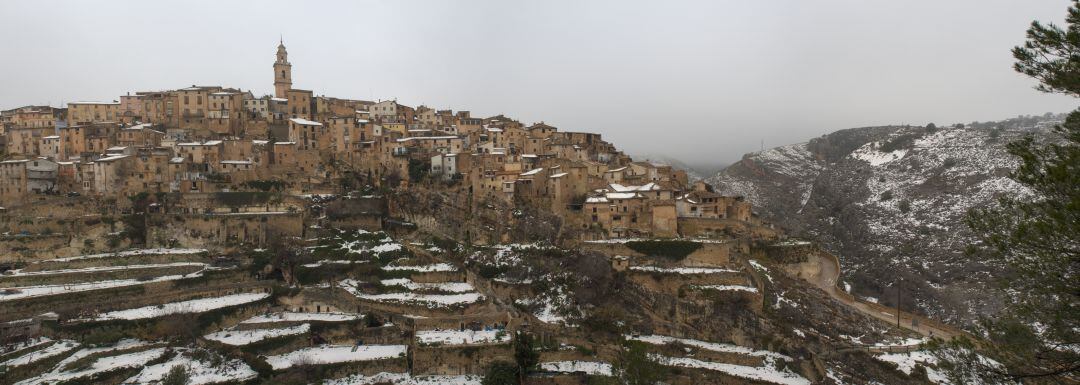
[(178, 375), (900, 142), (886, 196), (905, 206), (501, 373), (949, 163)]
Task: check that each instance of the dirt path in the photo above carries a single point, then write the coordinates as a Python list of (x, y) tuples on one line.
[(824, 272)]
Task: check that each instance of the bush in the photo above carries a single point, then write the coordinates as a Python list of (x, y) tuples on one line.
[(949, 163), (178, 375), (905, 206), (904, 141), (886, 196), (501, 373), (671, 249)]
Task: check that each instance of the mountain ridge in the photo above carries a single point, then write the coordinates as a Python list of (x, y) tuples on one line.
[(890, 202)]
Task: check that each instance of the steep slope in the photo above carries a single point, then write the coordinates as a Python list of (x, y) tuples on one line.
[(890, 201)]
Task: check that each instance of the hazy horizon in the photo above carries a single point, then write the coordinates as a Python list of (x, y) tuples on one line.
[(702, 82)]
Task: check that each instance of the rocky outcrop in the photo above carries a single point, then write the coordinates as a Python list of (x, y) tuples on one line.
[(890, 202)]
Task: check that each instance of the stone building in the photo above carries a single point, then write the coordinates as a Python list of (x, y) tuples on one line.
[(92, 112)]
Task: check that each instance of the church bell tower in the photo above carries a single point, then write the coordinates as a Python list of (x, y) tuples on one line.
[(282, 72)]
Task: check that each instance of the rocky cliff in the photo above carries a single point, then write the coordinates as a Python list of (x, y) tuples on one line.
[(891, 202)]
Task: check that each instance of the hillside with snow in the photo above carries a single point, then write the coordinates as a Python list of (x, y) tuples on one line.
[(890, 202)]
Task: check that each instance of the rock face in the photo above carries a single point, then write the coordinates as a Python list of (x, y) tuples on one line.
[(890, 202)]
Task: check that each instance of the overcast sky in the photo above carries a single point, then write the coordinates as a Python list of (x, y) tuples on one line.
[(701, 81)]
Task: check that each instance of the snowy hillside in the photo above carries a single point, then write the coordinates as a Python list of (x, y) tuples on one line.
[(890, 202)]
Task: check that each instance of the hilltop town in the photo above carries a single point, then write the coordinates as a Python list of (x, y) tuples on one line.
[(210, 139), (213, 235)]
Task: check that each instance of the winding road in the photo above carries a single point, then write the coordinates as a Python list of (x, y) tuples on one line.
[(824, 272)]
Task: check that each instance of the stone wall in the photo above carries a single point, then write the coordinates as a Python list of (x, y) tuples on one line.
[(457, 321), (93, 276), (459, 359), (222, 230), (786, 252), (692, 227), (671, 283), (152, 293), (711, 253)]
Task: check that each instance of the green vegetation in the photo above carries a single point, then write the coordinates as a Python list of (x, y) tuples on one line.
[(501, 373), (1038, 239), (178, 375), (525, 355), (905, 206), (633, 367), (244, 198), (900, 142), (418, 170), (669, 248), (264, 185)]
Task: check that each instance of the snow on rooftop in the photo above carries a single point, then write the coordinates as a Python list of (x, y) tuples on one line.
[(111, 158), (645, 187), (622, 195), (462, 337), (236, 162), (94, 102), (138, 126), (331, 354), (246, 337), (411, 138), (192, 306), (559, 175), (596, 200), (305, 122), (532, 172)]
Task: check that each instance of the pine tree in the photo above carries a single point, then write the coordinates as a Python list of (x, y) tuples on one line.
[(1037, 237)]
